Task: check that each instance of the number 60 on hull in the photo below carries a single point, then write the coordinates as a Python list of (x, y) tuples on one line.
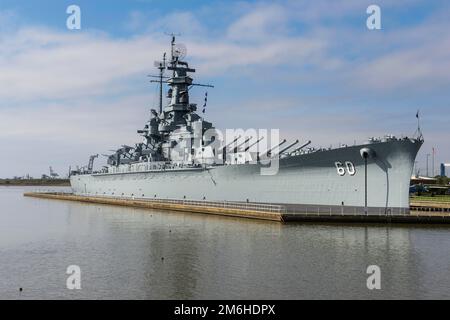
[(346, 167)]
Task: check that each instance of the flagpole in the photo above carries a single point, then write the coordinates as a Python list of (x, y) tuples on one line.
[(419, 132), (418, 120), (432, 163)]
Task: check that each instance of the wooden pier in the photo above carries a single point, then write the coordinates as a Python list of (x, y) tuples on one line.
[(420, 213)]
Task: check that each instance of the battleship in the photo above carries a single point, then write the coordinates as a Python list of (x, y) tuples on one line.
[(180, 159)]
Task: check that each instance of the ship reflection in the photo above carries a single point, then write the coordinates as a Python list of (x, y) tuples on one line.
[(146, 254)]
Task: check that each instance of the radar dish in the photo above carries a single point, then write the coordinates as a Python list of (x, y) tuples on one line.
[(179, 51)]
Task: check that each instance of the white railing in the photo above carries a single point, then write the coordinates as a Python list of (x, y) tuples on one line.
[(350, 211), (202, 203)]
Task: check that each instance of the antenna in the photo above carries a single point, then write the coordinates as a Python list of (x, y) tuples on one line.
[(161, 73), (172, 35), (161, 65)]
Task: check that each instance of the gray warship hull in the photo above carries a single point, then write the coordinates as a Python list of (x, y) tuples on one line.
[(304, 183)]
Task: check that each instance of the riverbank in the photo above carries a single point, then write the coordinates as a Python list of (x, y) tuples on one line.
[(35, 182), (432, 199)]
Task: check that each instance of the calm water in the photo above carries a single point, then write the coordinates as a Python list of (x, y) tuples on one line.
[(120, 250)]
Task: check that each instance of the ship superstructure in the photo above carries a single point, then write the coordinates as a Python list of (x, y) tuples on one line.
[(169, 136)]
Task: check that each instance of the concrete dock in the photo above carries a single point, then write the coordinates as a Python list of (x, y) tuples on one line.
[(420, 213), (267, 212)]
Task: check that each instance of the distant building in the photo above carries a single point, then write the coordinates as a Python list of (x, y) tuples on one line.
[(443, 166), (423, 180)]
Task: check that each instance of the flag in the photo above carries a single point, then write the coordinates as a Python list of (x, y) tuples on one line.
[(206, 101), (417, 114)]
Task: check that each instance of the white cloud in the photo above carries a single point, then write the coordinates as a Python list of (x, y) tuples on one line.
[(413, 57), (70, 122), (185, 23), (67, 133), (262, 23), (42, 64)]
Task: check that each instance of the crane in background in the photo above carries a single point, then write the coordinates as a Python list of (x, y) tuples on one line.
[(90, 167), (53, 174)]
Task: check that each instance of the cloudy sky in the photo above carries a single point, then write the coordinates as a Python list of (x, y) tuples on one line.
[(309, 68)]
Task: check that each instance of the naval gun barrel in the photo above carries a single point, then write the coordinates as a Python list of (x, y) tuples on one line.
[(224, 149), (246, 141), (248, 148), (290, 146), (268, 152), (300, 148), (234, 141)]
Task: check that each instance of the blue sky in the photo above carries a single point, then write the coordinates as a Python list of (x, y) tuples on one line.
[(309, 68)]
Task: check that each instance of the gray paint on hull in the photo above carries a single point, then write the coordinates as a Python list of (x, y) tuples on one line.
[(309, 179)]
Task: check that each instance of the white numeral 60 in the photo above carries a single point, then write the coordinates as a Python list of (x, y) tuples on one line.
[(348, 167)]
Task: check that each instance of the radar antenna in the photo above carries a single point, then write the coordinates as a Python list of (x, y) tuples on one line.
[(179, 51)]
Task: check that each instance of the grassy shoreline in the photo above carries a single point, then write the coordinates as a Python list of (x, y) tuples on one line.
[(34, 182), (429, 198)]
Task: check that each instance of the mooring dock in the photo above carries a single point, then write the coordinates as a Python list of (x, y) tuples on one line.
[(232, 209), (420, 213)]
